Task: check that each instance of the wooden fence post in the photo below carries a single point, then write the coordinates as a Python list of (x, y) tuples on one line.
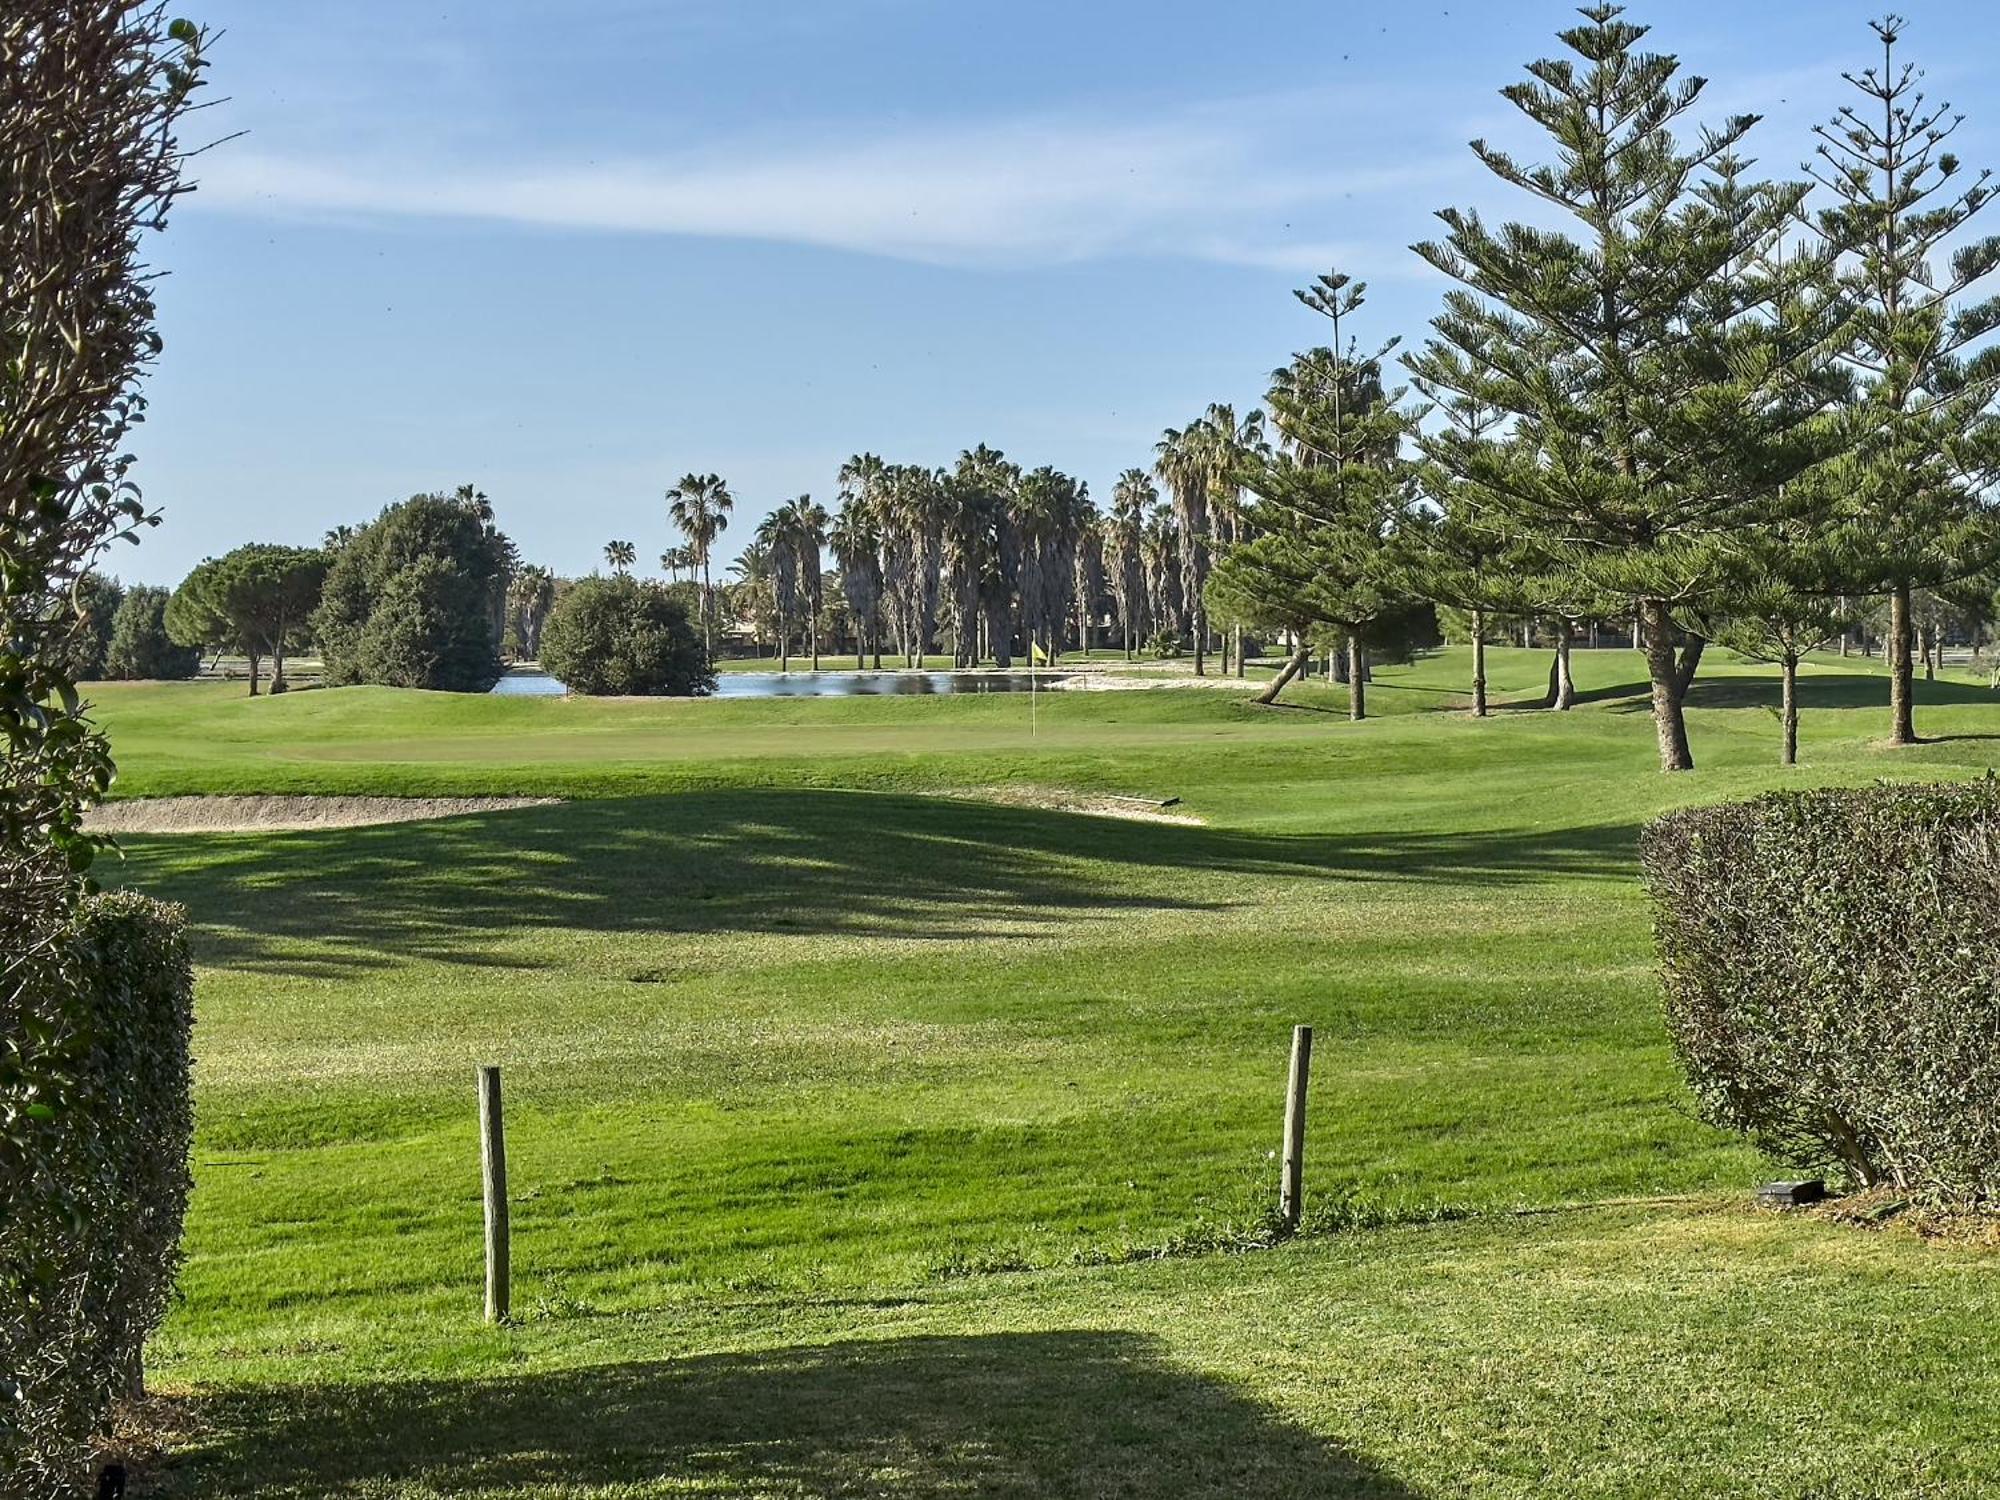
[(1291, 1188), (493, 1168)]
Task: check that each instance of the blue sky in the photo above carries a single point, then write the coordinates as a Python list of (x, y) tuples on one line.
[(570, 252)]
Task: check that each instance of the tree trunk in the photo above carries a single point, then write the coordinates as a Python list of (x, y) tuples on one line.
[(278, 683), (1357, 691), (1902, 687), (1665, 673), (256, 662), (1200, 641), (1565, 683), (1239, 651), (1933, 653), (707, 609), (1789, 756), (1295, 665), (1479, 709), (1689, 664)]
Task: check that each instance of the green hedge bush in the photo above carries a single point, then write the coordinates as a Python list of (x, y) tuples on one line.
[(622, 636), (1831, 963), (94, 1246)]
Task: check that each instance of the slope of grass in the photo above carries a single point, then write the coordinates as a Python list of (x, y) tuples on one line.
[(851, 1105)]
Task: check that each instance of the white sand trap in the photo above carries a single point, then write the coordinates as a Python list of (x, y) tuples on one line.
[(1056, 799), (276, 814), (1109, 682)]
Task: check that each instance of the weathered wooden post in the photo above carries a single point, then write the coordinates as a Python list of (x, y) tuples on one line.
[(1291, 1188), (493, 1168)]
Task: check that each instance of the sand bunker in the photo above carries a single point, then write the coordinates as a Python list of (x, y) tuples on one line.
[(1111, 682), (250, 814), (1055, 799)]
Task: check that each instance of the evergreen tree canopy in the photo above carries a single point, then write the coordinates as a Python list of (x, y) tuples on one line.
[(417, 599), (141, 648), (1330, 502), (1923, 352), (1659, 370), (257, 600)]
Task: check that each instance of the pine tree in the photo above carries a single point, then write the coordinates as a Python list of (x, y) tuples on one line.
[(1328, 503), (1656, 397), (1927, 369)]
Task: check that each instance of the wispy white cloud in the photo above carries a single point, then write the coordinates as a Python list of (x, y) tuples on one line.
[(1209, 184)]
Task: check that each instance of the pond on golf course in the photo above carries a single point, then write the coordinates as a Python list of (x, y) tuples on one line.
[(819, 684)]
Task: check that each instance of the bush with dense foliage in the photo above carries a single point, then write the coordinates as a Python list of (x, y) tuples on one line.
[(417, 599), (141, 649), (91, 97), (99, 1244), (623, 636), (1832, 973), (93, 602)]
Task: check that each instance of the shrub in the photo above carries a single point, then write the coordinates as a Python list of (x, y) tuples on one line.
[(140, 647), (93, 601), (96, 1244), (417, 599), (1832, 973), (619, 635)]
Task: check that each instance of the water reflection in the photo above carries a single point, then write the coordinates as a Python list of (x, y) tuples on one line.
[(821, 684)]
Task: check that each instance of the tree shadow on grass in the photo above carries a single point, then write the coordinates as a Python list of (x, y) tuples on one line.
[(1044, 1415), (767, 860), (1818, 691)]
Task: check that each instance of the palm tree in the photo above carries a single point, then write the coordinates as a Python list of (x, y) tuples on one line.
[(1050, 513), (796, 532), (620, 555), (1132, 500), (700, 505), (1228, 445), (1162, 552), (1182, 460), (532, 594), (754, 593), (857, 546), (776, 543)]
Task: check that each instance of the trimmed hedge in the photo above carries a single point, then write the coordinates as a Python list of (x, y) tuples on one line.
[(90, 1255), (1831, 963)]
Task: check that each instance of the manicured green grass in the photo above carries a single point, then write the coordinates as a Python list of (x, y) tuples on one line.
[(848, 1118)]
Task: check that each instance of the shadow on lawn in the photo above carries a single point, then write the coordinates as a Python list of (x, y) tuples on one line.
[(1083, 1414), (766, 860), (1818, 691)]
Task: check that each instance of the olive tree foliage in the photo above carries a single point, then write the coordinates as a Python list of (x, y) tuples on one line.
[(92, 94)]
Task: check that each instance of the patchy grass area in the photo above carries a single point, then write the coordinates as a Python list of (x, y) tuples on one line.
[(848, 1120)]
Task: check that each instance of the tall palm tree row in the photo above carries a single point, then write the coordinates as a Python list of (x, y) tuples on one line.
[(997, 559)]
